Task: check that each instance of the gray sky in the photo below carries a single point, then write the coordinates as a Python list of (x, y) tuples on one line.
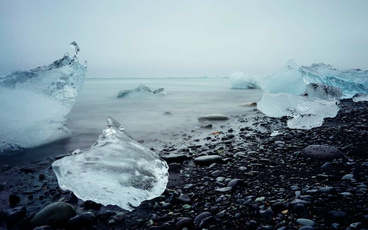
[(184, 38)]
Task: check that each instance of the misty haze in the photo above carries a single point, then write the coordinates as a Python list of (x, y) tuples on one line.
[(183, 114)]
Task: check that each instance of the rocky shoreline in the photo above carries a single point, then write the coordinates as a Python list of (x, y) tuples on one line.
[(244, 178)]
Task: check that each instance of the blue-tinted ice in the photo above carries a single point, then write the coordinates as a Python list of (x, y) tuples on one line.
[(35, 104)]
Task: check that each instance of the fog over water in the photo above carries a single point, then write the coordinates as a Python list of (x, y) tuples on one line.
[(142, 115), (184, 38)]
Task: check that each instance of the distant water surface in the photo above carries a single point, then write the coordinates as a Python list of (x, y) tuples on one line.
[(143, 115)]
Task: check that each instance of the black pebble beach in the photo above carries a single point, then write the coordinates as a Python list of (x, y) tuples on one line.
[(251, 181)]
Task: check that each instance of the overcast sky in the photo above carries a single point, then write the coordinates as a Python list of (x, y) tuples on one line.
[(184, 38)]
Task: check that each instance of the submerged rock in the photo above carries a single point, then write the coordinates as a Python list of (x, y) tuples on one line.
[(213, 117), (116, 170)]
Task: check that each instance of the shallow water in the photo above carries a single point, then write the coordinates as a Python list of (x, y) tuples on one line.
[(142, 115)]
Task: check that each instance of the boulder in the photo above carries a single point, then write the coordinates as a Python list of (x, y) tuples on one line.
[(322, 152), (56, 214)]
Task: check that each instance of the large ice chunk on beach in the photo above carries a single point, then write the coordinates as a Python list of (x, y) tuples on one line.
[(35, 104), (239, 80), (303, 112), (116, 170), (350, 81), (286, 80)]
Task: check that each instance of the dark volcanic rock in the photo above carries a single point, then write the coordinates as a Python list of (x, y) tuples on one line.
[(322, 152), (15, 214), (206, 160), (14, 200), (56, 214), (201, 217), (82, 221), (184, 222), (170, 158)]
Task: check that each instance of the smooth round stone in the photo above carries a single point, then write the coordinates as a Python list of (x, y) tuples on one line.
[(55, 214), (306, 228), (305, 222), (234, 183), (322, 152), (337, 214), (184, 199), (260, 199), (171, 158), (217, 173), (184, 222), (205, 160), (347, 177), (224, 189), (213, 117), (186, 206), (81, 221), (326, 189), (200, 217)]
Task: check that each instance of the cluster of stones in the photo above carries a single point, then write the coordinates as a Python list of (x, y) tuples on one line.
[(242, 178)]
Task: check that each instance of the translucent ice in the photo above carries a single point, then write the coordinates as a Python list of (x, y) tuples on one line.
[(116, 170), (351, 81), (303, 112), (286, 80), (293, 79), (141, 90), (76, 48), (35, 104), (239, 80)]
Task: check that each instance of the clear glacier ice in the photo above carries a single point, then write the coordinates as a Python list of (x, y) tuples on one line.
[(322, 87), (35, 104), (350, 81), (303, 112), (239, 80), (116, 170), (286, 80), (141, 90), (293, 79)]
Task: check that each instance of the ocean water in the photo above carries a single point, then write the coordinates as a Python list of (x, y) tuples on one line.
[(143, 116)]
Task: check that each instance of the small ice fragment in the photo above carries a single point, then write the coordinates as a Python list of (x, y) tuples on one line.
[(116, 170)]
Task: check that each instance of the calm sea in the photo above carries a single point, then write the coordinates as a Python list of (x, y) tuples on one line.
[(143, 115)]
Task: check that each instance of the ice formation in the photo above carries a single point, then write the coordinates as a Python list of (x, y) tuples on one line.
[(35, 104), (351, 81), (293, 79), (116, 170), (141, 90), (286, 80), (239, 80), (304, 112), (322, 86)]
